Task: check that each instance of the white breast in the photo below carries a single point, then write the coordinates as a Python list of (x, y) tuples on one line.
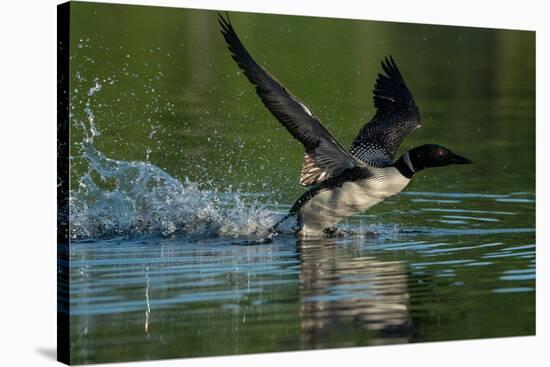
[(331, 206)]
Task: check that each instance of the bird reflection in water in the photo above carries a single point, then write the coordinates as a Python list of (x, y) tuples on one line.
[(341, 289)]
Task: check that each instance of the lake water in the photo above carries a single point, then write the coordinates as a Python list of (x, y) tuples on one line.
[(177, 168)]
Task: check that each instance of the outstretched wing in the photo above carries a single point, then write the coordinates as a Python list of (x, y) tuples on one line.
[(396, 116), (324, 155)]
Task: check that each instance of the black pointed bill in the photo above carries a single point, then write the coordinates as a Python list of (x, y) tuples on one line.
[(456, 159)]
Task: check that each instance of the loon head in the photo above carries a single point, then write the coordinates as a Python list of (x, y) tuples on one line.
[(433, 155)]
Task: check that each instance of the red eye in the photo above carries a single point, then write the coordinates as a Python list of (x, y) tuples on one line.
[(439, 152)]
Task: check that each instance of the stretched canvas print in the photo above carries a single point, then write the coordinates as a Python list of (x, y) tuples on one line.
[(235, 183)]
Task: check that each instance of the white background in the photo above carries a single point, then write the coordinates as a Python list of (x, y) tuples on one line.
[(28, 182)]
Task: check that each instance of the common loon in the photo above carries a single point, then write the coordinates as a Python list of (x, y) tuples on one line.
[(343, 183)]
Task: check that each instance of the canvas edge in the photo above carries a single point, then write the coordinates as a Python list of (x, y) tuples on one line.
[(63, 69)]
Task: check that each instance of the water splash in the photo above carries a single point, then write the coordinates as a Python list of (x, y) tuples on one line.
[(121, 198), (144, 199)]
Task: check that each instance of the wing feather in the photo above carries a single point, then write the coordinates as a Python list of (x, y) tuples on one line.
[(327, 158), (396, 116)]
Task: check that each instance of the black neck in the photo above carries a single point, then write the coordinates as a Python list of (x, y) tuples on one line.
[(405, 166)]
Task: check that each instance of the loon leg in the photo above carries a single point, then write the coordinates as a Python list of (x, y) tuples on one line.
[(273, 231), (331, 231)]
